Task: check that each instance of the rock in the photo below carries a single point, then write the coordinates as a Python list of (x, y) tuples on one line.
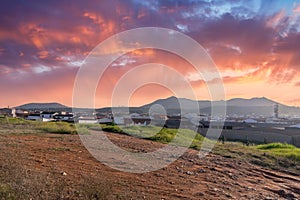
[(286, 195), (64, 173), (158, 175), (269, 198), (189, 173), (201, 171), (213, 169), (200, 194), (281, 192), (290, 196), (228, 195)]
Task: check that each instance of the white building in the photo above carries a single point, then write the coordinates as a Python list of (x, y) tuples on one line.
[(250, 121), (34, 117)]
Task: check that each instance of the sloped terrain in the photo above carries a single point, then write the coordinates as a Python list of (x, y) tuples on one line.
[(54, 166)]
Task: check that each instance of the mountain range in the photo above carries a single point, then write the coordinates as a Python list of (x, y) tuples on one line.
[(259, 106)]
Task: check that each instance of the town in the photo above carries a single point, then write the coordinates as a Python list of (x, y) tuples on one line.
[(249, 128)]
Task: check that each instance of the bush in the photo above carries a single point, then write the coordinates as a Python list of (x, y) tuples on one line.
[(110, 128), (57, 127)]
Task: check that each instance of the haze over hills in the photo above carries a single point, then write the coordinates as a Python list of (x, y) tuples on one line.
[(255, 106)]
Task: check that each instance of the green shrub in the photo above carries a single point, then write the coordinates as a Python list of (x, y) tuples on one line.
[(109, 128), (57, 127)]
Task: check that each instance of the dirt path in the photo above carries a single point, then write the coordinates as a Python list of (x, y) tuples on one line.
[(63, 159)]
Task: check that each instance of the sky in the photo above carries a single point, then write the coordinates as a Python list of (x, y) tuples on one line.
[(255, 45)]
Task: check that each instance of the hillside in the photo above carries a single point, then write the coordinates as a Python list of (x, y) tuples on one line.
[(43, 106), (257, 106), (68, 171)]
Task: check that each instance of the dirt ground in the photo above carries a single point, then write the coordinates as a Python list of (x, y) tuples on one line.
[(47, 161)]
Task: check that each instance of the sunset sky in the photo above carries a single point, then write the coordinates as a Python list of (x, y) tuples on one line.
[(255, 45)]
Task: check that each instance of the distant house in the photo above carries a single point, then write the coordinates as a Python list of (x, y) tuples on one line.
[(21, 113), (87, 120), (6, 111), (224, 125), (65, 117), (296, 126), (137, 120), (105, 120), (119, 120), (250, 121), (13, 112), (34, 117), (48, 115)]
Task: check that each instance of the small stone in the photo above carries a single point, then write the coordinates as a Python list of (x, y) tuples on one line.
[(228, 195), (269, 198), (189, 173), (200, 194), (281, 192), (201, 171), (64, 173)]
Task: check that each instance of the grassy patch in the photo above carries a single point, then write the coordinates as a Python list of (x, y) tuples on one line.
[(182, 137), (57, 127), (281, 149), (109, 128), (22, 126), (263, 155)]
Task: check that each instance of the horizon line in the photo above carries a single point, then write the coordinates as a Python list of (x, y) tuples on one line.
[(57, 102)]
